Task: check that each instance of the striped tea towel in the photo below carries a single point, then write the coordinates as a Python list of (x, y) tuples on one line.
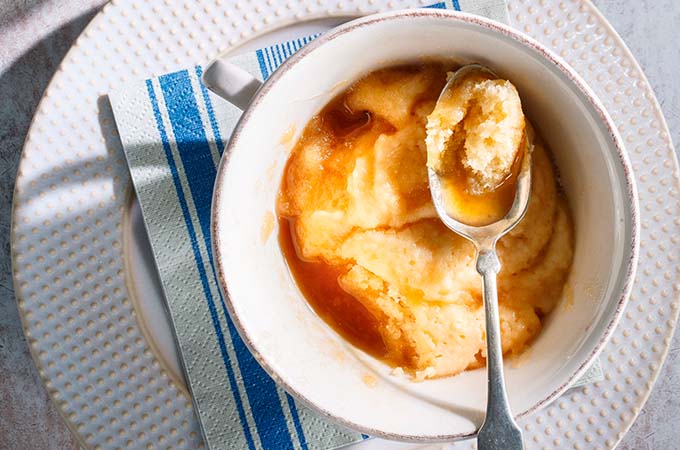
[(173, 133)]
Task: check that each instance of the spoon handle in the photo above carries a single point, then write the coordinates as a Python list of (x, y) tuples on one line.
[(499, 430)]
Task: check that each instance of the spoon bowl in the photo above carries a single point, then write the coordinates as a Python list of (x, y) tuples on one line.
[(478, 234)]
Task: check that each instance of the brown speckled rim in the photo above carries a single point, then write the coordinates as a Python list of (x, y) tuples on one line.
[(588, 95)]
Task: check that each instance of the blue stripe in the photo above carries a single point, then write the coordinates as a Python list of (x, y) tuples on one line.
[(199, 264), (270, 59), (211, 112), (271, 66), (200, 171), (277, 55), (263, 66), (278, 52), (456, 5), (296, 421), (440, 5), (274, 58), (192, 143)]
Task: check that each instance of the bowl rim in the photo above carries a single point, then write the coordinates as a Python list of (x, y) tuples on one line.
[(489, 25)]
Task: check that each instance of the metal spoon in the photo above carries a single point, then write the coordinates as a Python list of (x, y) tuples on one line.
[(499, 430)]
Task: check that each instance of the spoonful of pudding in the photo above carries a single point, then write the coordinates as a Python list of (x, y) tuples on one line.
[(479, 169), (475, 144)]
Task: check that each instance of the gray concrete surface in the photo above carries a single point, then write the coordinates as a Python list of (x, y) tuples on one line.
[(34, 36)]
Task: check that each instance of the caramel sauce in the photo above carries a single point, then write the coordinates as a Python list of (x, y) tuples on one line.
[(478, 209), (318, 282), (342, 121)]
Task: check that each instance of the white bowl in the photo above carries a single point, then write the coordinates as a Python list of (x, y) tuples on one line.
[(308, 358)]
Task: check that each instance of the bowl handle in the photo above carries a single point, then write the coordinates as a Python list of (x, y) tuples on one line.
[(230, 82)]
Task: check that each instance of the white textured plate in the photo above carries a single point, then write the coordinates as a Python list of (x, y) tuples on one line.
[(86, 287)]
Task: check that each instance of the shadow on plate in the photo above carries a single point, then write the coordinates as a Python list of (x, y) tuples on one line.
[(22, 84)]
